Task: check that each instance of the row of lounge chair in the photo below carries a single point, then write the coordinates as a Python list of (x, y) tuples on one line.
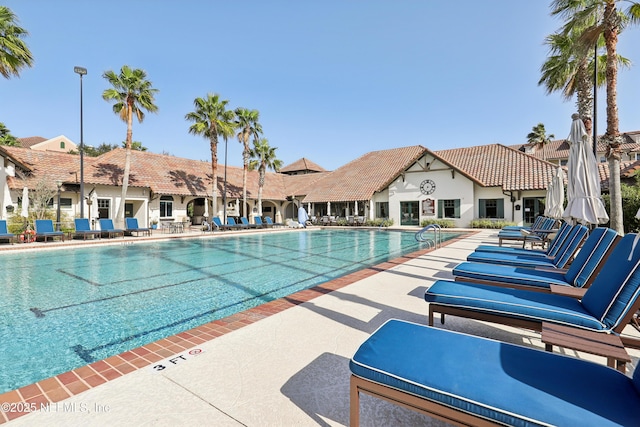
[(538, 234), (468, 380), (44, 229), (243, 224)]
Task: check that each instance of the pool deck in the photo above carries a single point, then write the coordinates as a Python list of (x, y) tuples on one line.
[(284, 363)]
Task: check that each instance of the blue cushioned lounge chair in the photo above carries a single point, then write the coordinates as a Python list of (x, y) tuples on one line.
[(232, 224), (44, 229), (133, 227), (560, 260), (581, 272), (4, 233), (538, 235), (107, 228), (246, 223), (536, 224), (84, 229), (270, 222), (554, 245), (217, 224), (472, 381), (608, 305), (259, 222)]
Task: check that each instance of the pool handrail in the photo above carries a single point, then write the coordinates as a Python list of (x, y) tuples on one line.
[(437, 238)]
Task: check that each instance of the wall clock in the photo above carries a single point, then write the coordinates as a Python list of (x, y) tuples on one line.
[(427, 186)]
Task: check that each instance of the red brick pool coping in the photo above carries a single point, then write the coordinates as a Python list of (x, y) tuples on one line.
[(65, 385)]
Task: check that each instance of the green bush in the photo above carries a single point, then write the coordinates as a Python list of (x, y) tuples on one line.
[(443, 223), (630, 206), (17, 224), (379, 222), (489, 223)]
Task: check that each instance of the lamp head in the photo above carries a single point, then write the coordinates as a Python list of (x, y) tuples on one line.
[(80, 70)]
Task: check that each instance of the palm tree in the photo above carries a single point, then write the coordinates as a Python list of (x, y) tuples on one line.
[(593, 18), (539, 137), (135, 146), (211, 119), (6, 138), (14, 52), (247, 123), (263, 157), (570, 68), (132, 94)]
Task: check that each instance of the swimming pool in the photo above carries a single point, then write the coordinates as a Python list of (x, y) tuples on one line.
[(63, 309)]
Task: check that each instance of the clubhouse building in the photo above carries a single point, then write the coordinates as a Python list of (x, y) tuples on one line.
[(407, 185)]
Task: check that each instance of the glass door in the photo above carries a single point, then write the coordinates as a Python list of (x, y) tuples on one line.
[(409, 213), (533, 207)]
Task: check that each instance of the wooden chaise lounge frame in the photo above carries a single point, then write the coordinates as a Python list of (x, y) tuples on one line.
[(573, 292), (534, 325), (418, 404)]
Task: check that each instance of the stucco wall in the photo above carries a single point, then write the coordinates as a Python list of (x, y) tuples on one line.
[(448, 186)]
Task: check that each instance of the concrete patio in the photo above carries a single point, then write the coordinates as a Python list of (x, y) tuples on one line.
[(288, 369)]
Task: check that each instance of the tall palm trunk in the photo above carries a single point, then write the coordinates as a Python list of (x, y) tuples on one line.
[(612, 136), (245, 172), (260, 186), (584, 89), (127, 166), (213, 143)]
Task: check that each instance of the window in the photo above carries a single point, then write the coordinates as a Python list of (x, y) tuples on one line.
[(62, 144), (65, 202), (491, 208), (104, 207), (166, 206), (449, 208), (382, 209)]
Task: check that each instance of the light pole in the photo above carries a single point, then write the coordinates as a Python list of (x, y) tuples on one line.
[(59, 184), (81, 71)]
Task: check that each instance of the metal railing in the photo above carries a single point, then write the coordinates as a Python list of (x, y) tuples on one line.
[(431, 242)]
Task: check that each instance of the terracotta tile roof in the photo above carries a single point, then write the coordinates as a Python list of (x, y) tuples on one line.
[(161, 173), (489, 165), (497, 165), (179, 176), (303, 165), (628, 169), (559, 149), (30, 141), (299, 185), (51, 165), (361, 178)]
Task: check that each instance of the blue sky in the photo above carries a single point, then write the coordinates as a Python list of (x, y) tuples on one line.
[(332, 79)]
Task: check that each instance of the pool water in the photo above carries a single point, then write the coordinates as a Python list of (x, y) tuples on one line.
[(63, 309)]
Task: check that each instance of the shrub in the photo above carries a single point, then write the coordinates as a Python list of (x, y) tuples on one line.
[(342, 222), (630, 205), (379, 222), (443, 223), (489, 223)]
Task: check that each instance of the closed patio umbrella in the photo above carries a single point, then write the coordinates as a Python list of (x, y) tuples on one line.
[(555, 196), (25, 203), (584, 204)]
